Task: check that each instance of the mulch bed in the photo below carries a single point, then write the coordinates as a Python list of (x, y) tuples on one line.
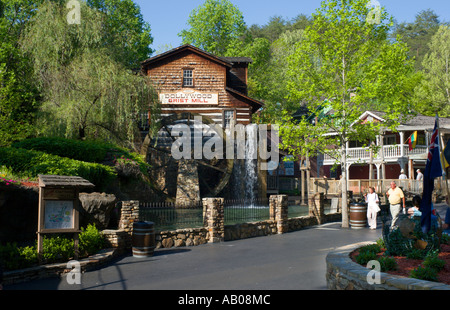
[(405, 265)]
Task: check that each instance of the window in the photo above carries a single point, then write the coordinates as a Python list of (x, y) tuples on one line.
[(188, 78), (390, 140), (228, 115)]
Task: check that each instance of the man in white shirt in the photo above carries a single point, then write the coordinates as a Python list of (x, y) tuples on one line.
[(396, 197), (419, 175)]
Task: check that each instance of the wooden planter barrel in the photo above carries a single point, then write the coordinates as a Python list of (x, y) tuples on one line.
[(358, 215), (143, 240)]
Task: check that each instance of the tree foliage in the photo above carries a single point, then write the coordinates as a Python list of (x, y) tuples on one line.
[(87, 93), (18, 97), (433, 93), (347, 65), (417, 35), (215, 27)]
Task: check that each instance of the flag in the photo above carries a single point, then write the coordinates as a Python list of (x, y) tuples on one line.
[(412, 141), (446, 154), (433, 170)]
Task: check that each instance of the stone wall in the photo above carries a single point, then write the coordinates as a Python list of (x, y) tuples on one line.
[(344, 274), (214, 229)]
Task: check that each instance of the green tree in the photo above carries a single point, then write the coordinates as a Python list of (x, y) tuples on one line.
[(275, 76), (433, 93), (18, 97), (215, 27), (417, 35), (86, 92), (346, 65), (125, 32)]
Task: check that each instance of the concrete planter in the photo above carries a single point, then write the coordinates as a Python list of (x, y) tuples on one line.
[(344, 274)]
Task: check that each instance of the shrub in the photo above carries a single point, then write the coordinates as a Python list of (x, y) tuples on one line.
[(88, 151), (416, 254), (374, 248), (387, 263), (33, 163), (380, 243), (56, 248), (433, 261), (91, 241), (364, 257), (424, 273)]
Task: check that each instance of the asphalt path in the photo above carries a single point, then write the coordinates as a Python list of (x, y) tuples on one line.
[(291, 261)]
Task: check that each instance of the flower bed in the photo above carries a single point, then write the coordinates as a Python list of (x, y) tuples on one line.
[(416, 267)]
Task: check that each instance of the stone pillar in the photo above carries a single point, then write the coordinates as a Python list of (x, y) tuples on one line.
[(316, 207), (129, 215), (214, 219), (188, 188), (278, 205)]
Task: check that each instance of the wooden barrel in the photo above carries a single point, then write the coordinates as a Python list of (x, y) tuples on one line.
[(143, 240), (358, 215)]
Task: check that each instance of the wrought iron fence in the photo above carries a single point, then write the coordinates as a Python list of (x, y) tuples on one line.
[(242, 211), (172, 216)]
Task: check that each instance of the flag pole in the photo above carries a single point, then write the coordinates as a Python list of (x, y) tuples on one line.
[(441, 144)]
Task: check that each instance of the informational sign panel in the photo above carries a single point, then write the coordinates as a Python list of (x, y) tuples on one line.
[(189, 97), (58, 214)]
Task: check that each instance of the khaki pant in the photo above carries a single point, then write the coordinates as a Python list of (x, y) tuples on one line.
[(395, 211)]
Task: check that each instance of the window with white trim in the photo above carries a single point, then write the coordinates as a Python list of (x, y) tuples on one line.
[(188, 78), (228, 116)]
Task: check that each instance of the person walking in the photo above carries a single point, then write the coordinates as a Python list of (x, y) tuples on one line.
[(372, 207), (396, 197)]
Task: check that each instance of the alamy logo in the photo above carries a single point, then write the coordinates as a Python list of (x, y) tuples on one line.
[(242, 142), (374, 275), (74, 15), (374, 16), (74, 276)]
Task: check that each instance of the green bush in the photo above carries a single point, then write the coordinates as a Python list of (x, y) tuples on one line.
[(387, 263), (424, 273), (89, 151), (364, 257), (416, 254), (91, 241), (56, 248), (433, 261), (33, 163), (374, 248)]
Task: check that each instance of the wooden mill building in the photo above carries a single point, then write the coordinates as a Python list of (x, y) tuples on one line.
[(189, 79)]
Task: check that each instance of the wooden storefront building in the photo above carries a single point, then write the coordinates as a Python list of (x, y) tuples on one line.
[(189, 79)]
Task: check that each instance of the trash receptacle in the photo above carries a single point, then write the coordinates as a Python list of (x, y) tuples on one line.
[(143, 239), (358, 215)]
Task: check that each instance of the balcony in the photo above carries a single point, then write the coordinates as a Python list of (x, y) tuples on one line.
[(391, 153)]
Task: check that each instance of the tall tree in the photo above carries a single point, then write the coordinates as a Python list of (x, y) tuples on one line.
[(433, 93), (18, 98), (417, 35), (215, 27), (87, 93), (345, 63), (126, 33)]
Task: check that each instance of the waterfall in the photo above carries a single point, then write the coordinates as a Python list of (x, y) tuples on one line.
[(251, 162)]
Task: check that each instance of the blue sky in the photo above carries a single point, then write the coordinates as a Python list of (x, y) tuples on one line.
[(167, 18)]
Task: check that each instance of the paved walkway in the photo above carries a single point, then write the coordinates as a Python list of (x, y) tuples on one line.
[(292, 261)]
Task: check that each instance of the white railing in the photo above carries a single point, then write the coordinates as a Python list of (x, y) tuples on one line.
[(389, 151), (333, 187)]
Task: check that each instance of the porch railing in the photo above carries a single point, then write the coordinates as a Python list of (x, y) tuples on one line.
[(389, 152), (333, 187)]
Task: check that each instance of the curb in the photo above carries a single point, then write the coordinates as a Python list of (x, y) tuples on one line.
[(59, 269), (344, 274)]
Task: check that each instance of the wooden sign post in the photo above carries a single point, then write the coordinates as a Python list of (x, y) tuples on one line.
[(59, 207)]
